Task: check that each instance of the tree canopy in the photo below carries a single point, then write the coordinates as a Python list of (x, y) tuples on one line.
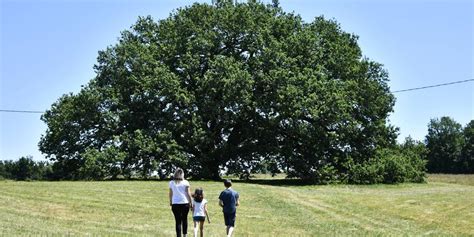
[(467, 155), (225, 87), (450, 147)]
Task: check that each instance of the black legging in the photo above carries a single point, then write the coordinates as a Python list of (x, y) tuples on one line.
[(180, 212)]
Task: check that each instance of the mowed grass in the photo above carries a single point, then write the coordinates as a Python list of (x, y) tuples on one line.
[(122, 208)]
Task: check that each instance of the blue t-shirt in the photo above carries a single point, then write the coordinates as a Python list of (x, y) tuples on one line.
[(229, 197)]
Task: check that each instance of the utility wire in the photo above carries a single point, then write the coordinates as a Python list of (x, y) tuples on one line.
[(424, 87), (21, 111), (411, 89)]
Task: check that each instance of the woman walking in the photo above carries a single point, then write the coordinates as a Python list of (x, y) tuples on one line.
[(180, 201)]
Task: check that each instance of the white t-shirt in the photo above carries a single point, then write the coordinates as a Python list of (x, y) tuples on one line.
[(179, 192), (199, 208)]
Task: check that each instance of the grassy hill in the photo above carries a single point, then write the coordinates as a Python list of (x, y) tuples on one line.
[(443, 206)]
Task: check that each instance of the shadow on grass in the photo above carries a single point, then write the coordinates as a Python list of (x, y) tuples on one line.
[(277, 182), (261, 181)]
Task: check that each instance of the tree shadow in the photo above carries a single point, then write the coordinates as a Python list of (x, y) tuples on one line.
[(277, 182)]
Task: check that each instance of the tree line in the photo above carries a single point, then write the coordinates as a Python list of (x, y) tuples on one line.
[(448, 148), (25, 168)]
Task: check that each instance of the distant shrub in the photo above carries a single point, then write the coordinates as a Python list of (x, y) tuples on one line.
[(99, 165), (25, 168), (2, 171), (389, 166), (395, 167), (328, 174), (366, 173)]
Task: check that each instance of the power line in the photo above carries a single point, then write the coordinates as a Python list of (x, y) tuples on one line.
[(411, 89), (424, 87), (21, 111)]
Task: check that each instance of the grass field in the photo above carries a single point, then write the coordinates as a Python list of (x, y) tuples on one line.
[(443, 206)]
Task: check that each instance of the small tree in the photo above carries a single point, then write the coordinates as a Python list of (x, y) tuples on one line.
[(24, 168), (9, 168), (3, 172), (444, 143), (415, 153), (467, 154)]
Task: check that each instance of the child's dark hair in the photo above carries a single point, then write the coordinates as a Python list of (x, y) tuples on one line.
[(227, 183), (198, 195)]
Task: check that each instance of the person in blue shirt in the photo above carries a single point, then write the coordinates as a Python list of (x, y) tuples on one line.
[(229, 200)]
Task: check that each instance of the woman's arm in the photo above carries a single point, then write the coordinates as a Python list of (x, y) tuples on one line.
[(170, 194), (188, 196)]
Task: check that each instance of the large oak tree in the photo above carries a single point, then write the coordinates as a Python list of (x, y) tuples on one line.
[(226, 86)]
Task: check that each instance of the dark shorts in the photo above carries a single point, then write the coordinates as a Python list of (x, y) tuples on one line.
[(229, 219), (199, 218)]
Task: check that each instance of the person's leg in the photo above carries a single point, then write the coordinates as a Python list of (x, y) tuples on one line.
[(201, 228), (231, 222), (227, 220), (230, 229), (177, 218), (195, 228), (184, 214)]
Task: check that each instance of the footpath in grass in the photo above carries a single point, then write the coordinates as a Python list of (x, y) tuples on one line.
[(121, 208)]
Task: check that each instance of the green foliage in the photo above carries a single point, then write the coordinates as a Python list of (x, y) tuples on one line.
[(415, 153), (25, 168), (8, 169), (389, 166), (225, 86), (444, 142), (3, 171), (102, 164), (467, 155), (369, 172)]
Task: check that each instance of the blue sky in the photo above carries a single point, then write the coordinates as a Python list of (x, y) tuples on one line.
[(48, 48)]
